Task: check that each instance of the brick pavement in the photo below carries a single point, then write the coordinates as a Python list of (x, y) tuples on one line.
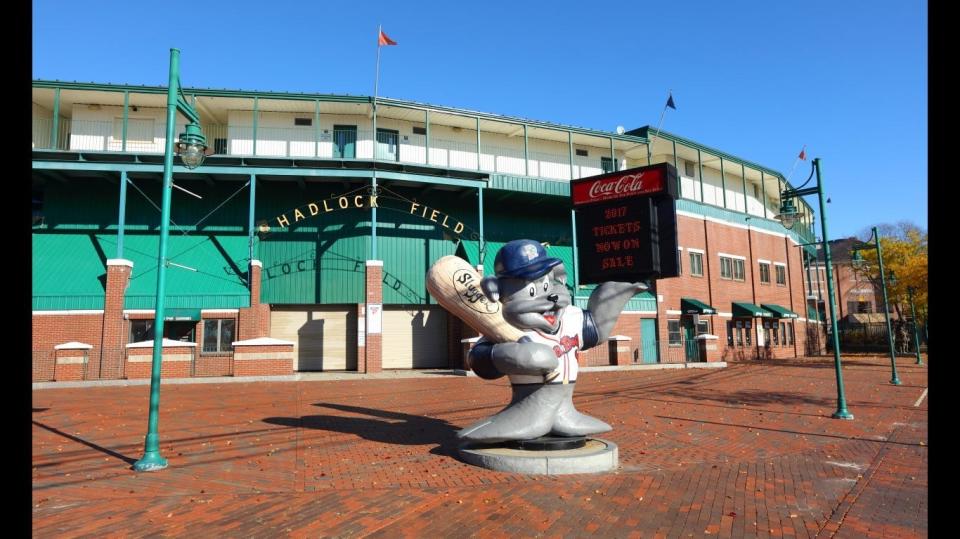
[(746, 451)]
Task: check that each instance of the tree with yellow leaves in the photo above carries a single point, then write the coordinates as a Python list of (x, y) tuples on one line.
[(904, 247)]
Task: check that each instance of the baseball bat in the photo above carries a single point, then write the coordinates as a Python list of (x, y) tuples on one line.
[(456, 286)]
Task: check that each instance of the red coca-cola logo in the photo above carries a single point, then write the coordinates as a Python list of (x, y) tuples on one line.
[(611, 188), (628, 184)]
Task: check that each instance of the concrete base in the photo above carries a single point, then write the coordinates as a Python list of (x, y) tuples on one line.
[(595, 456)]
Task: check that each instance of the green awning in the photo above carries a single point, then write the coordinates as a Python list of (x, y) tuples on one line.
[(778, 311), (695, 306), (176, 314), (749, 310)]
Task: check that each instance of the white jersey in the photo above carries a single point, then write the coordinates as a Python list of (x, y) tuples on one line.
[(566, 344)]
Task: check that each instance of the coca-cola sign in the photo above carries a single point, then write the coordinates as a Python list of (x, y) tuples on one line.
[(634, 182)]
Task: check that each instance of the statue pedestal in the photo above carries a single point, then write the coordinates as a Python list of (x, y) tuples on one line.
[(594, 456)]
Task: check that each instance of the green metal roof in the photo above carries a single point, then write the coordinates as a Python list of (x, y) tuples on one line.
[(778, 311), (695, 306), (749, 310), (220, 263), (69, 272)]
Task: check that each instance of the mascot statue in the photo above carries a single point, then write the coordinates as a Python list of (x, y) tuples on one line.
[(542, 365)]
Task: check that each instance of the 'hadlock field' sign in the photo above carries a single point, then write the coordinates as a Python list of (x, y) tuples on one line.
[(627, 224)]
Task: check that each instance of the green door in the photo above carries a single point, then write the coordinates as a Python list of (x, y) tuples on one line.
[(691, 352), (344, 141), (648, 339)]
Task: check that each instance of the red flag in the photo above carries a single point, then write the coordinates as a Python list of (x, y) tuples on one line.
[(384, 40), (803, 154)]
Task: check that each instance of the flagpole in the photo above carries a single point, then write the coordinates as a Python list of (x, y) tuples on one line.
[(373, 209), (795, 161), (660, 124)]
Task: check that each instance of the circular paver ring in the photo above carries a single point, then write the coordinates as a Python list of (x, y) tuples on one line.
[(595, 456)]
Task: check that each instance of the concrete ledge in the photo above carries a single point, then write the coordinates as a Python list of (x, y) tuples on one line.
[(595, 457), (74, 345)]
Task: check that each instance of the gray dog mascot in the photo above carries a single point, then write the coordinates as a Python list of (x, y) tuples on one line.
[(542, 365)]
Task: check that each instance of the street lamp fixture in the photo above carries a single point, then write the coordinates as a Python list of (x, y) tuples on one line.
[(788, 216), (859, 263), (191, 147)]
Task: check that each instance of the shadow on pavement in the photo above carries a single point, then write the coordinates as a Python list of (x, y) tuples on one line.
[(91, 445), (381, 426)]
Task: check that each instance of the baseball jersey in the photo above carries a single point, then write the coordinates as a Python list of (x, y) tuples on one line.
[(566, 344)]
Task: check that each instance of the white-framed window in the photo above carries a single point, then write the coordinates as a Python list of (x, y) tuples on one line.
[(703, 326), (781, 270), (696, 264), (764, 273), (218, 335), (731, 268), (673, 333)]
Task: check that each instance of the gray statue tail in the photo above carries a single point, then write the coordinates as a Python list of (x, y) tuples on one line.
[(530, 414), (570, 422)]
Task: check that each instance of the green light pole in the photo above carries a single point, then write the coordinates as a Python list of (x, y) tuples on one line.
[(916, 329), (191, 148), (858, 262), (788, 216)]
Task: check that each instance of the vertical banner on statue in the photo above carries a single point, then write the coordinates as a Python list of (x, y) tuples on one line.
[(627, 225), (374, 318)]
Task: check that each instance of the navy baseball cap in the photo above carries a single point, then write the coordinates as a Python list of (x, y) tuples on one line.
[(523, 259)]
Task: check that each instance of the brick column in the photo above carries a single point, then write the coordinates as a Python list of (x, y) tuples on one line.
[(372, 359), (619, 349), (71, 362), (254, 321), (109, 363)]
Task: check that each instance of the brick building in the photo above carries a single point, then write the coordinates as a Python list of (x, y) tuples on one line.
[(273, 265)]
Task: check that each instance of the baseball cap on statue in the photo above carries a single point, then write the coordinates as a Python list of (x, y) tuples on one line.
[(523, 259)]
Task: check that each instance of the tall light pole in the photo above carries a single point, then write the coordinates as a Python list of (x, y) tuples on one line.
[(788, 216), (858, 262), (191, 147), (916, 330)]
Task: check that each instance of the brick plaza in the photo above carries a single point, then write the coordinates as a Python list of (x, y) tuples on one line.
[(745, 451)]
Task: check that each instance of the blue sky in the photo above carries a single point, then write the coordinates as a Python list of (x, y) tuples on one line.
[(756, 79)]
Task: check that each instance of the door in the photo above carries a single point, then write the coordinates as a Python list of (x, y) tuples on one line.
[(325, 338), (690, 344), (414, 338), (344, 141), (388, 144), (648, 339)]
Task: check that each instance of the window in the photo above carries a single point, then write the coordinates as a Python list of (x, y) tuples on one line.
[(783, 334), (696, 264), (607, 164), (731, 268), (419, 130), (689, 169), (680, 262), (673, 332), (739, 333), (583, 153), (859, 307), (748, 331), (303, 121), (776, 334), (781, 274), (729, 333), (764, 273), (726, 268), (218, 335), (703, 327), (142, 330)]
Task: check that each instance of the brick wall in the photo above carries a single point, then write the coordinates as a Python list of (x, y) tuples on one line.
[(263, 360), (175, 362), (49, 330), (115, 332)]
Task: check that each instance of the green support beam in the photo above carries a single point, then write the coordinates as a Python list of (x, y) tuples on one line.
[(250, 223), (426, 144), (570, 146), (478, 144), (526, 154), (316, 128), (723, 185), (700, 167), (121, 220), (256, 118)]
